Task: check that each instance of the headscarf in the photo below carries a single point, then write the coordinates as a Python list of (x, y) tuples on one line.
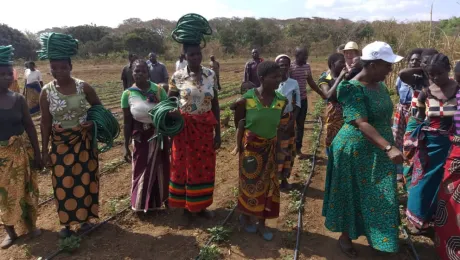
[(191, 29), (6, 55), (282, 56), (57, 46)]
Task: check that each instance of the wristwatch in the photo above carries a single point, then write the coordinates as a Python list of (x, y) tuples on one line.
[(388, 148)]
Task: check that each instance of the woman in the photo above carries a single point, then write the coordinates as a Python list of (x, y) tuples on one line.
[(448, 210), (33, 87), (402, 113), (286, 135), (350, 52), (73, 156), (193, 157), (18, 150), (361, 198), (150, 161), (430, 143), (262, 108), (328, 84)]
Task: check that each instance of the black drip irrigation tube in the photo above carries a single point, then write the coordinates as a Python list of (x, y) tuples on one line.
[(56, 253), (409, 242), (305, 187), (212, 238), (102, 173)]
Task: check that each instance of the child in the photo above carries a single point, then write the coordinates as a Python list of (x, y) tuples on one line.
[(356, 68)]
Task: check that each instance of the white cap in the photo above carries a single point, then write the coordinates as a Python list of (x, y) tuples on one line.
[(351, 46), (380, 51), (281, 56)]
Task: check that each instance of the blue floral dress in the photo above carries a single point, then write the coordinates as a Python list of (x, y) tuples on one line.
[(361, 194)]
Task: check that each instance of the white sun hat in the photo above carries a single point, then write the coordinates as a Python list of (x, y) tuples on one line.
[(380, 51)]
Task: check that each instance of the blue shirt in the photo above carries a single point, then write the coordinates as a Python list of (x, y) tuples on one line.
[(404, 91)]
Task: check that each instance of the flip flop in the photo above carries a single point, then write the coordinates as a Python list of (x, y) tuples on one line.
[(265, 233), (347, 250), (251, 228)]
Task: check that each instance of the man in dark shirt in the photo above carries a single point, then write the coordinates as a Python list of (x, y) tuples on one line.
[(250, 70), (127, 73), (157, 70), (215, 66)]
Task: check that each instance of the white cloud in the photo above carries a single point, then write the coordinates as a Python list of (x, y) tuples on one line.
[(371, 9), (57, 13)]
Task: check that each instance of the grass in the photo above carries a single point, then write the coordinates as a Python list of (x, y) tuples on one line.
[(220, 233), (211, 252), (69, 244)]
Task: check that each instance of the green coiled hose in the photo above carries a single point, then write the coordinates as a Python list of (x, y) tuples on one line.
[(165, 124), (57, 46), (190, 29), (106, 127), (6, 55)]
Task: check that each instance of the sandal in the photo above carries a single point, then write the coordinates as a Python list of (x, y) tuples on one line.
[(266, 234), (348, 250), (250, 228)]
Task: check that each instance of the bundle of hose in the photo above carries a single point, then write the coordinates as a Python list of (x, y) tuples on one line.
[(190, 29), (106, 128), (166, 124), (6, 55), (57, 46)]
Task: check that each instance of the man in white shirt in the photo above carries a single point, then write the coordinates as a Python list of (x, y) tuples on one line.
[(33, 75), (181, 63)]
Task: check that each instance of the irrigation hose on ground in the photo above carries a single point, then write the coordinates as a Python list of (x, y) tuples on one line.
[(307, 183)]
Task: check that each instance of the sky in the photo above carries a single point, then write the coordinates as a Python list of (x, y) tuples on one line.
[(58, 13)]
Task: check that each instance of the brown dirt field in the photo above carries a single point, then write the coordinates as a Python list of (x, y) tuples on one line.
[(166, 234)]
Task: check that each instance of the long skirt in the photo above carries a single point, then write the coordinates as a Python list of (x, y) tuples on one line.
[(193, 163), (409, 149), (75, 177), (400, 120), (33, 96), (431, 149), (286, 145), (150, 170), (18, 184), (447, 221), (259, 191)]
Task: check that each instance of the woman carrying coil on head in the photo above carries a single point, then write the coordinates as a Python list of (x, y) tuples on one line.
[(193, 157), (19, 152), (64, 104)]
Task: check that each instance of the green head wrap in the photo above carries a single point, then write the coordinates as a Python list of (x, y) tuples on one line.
[(191, 29), (6, 55), (57, 46)]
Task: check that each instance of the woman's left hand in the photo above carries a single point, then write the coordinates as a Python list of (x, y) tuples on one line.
[(37, 163), (217, 142)]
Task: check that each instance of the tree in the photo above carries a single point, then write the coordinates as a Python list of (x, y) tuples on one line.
[(23, 46), (142, 41), (85, 33)]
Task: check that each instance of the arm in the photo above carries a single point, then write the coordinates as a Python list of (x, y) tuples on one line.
[(31, 132), (246, 73), (216, 111), (332, 92), (127, 132), (45, 126), (421, 112), (124, 79), (370, 133), (407, 75), (91, 95), (165, 74), (313, 86), (40, 79)]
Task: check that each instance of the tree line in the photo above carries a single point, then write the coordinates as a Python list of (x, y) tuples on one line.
[(236, 36)]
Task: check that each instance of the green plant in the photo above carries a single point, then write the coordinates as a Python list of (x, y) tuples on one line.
[(230, 204), (290, 223), (209, 253), (227, 113), (295, 195), (220, 233), (235, 191), (295, 205), (117, 204), (69, 244)]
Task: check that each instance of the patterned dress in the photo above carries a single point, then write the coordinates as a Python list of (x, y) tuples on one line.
[(361, 198), (447, 222), (193, 158), (259, 193), (73, 155)]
